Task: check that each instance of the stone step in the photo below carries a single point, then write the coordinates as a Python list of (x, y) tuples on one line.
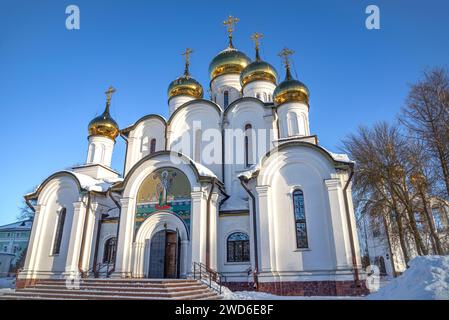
[(135, 282), (145, 293), (57, 296), (121, 288)]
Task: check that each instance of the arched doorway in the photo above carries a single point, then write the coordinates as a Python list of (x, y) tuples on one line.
[(165, 253)]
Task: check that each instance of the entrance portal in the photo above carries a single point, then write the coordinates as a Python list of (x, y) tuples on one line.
[(164, 255)]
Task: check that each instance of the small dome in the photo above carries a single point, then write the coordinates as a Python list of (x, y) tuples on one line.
[(291, 90), (228, 61), (185, 85), (104, 125), (258, 71)]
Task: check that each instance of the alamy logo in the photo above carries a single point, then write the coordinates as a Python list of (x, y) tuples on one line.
[(72, 22), (372, 22)]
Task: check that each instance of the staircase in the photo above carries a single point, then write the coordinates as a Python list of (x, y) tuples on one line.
[(117, 289)]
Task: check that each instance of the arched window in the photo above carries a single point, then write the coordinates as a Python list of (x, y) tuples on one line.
[(248, 145), (153, 146), (59, 230), (226, 99), (109, 250), (300, 219), (292, 124), (264, 97), (238, 247), (197, 146)]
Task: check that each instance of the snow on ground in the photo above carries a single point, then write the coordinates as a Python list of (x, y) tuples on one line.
[(7, 285), (251, 295), (427, 278)]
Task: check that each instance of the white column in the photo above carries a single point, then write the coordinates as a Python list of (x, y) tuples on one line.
[(265, 230), (139, 256), (213, 231), (76, 234), (89, 236), (125, 239), (339, 226), (31, 260), (197, 228), (185, 264)]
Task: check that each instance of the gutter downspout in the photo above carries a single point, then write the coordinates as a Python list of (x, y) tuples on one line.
[(109, 193), (256, 257), (351, 235), (209, 198)]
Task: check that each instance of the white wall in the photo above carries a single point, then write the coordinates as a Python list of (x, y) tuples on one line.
[(140, 137)]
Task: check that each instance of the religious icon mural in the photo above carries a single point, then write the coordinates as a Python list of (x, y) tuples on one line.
[(167, 190)]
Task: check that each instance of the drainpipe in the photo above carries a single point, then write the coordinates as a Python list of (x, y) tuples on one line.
[(256, 257), (351, 235), (209, 198), (109, 193)]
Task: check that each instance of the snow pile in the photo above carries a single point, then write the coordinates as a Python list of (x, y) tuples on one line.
[(7, 283), (91, 184), (426, 279)]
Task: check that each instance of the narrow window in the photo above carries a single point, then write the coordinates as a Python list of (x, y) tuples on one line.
[(59, 231), (153, 146), (226, 99), (197, 146), (300, 219), (292, 124), (258, 96), (109, 250), (238, 247), (264, 97), (248, 146)]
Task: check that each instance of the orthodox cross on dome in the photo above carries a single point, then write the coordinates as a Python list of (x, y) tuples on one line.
[(284, 54), (109, 93), (256, 36), (186, 55), (230, 22)]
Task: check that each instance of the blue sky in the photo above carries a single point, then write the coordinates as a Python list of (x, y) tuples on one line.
[(52, 80)]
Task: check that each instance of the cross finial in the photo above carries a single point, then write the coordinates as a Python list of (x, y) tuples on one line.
[(230, 22), (187, 54), (109, 93), (256, 36), (284, 54)]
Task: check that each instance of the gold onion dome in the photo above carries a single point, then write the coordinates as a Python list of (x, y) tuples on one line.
[(104, 125), (258, 70), (290, 89), (185, 84), (230, 60)]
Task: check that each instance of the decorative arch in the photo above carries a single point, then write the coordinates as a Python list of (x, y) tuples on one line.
[(166, 189)]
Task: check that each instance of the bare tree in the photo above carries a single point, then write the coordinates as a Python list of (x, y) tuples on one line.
[(426, 115)]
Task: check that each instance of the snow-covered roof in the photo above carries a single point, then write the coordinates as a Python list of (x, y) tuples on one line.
[(92, 184), (17, 226)]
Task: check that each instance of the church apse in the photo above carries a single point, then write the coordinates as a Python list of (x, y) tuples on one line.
[(164, 190)]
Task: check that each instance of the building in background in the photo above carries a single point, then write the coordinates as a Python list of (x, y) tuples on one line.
[(13, 244), (380, 245)]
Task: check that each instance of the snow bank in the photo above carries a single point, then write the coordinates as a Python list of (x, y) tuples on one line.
[(426, 279), (7, 283)]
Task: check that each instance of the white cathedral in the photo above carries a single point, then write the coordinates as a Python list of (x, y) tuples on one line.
[(235, 183)]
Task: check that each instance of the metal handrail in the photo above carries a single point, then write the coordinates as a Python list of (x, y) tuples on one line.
[(96, 269), (203, 272)]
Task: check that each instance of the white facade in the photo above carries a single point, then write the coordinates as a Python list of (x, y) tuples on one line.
[(250, 199)]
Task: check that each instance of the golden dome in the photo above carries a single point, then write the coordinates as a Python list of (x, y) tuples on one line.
[(228, 61), (104, 125), (290, 89), (185, 85), (258, 70)]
